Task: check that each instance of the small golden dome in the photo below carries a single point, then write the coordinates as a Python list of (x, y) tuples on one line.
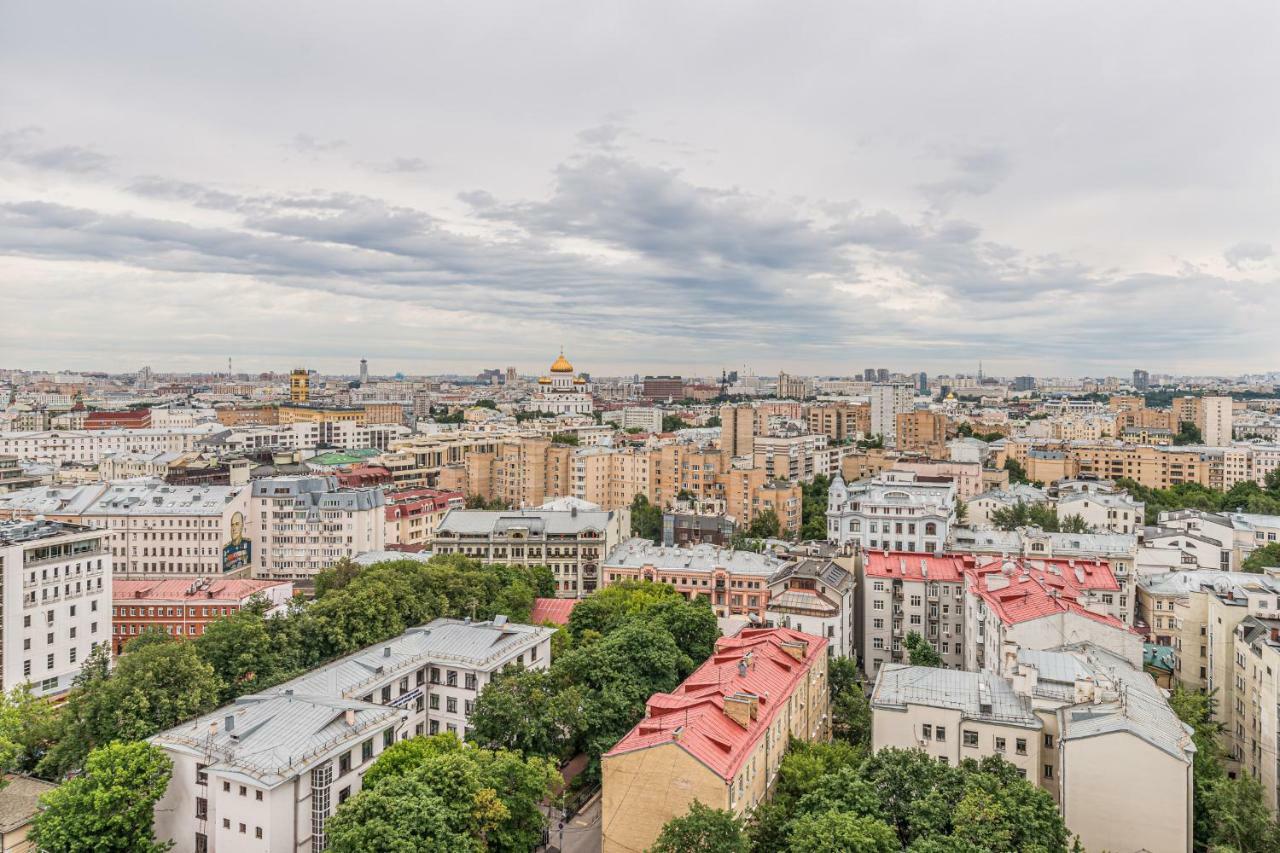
[(579, 381), (545, 380), (562, 365)]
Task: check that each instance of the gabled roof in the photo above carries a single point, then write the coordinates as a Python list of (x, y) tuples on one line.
[(755, 667), (555, 610), (980, 695)]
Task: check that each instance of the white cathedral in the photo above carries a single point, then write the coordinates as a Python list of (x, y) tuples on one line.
[(562, 393)]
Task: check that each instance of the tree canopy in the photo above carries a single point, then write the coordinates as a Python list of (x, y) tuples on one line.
[(108, 809), (1044, 516), (703, 830), (920, 652), (646, 519)]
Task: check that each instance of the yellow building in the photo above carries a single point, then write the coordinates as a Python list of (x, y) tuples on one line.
[(718, 738), (299, 385)]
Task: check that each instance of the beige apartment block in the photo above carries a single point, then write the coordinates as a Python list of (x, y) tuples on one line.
[(718, 738)]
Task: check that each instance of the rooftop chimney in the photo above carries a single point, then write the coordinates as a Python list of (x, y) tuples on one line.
[(229, 723), (349, 716)]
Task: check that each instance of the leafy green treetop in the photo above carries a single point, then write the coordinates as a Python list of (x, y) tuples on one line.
[(703, 830)]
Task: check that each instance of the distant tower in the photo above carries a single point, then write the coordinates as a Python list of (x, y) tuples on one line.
[(299, 385), (364, 371), (979, 372)]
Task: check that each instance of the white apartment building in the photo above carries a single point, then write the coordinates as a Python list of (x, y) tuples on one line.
[(888, 400), (980, 507), (903, 593), (56, 603), (158, 530), (1216, 428), (573, 543), (816, 595), (89, 446), (1085, 724), (310, 435), (303, 525), (1104, 512), (638, 417), (264, 774), (895, 511)]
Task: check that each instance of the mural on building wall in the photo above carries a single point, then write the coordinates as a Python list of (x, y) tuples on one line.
[(237, 554)]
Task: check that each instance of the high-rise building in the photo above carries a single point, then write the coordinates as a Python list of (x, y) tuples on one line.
[(1024, 383), (882, 374), (888, 400), (299, 385), (1214, 420), (869, 375), (364, 371), (922, 383), (57, 602), (1141, 380)]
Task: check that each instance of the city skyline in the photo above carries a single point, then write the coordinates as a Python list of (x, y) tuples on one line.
[(470, 189)]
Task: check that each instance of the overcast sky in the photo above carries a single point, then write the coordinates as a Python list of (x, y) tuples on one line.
[(1053, 188)]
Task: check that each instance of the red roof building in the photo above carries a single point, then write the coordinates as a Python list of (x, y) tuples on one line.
[(364, 476), (128, 419), (412, 515), (183, 607), (554, 610), (718, 737)]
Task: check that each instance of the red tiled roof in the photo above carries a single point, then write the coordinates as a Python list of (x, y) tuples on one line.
[(697, 705), (1041, 587), (555, 610), (915, 567), (231, 589)]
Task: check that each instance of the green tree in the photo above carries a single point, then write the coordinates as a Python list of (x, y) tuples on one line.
[(713, 421), (646, 519), (1017, 473), (842, 832), (248, 651), (109, 809), (477, 502), (337, 576), (850, 710), (1074, 524), (920, 652), (1266, 556), (1188, 433), (765, 525), (502, 790), (703, 830), (529, 711), (1241, 821), (157, 683), (486, 404), (570, 438), (962, 511), (28, 726), (671, 423)]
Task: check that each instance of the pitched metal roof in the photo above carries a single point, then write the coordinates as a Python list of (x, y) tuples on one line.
[(976, 695)]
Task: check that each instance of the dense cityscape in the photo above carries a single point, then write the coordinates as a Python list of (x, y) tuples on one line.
[(525, 610), (639, 427)]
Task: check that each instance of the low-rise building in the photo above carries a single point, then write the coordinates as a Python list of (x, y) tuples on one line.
[(816, 595), (19, 805), (735, 583), (56, 602), (895, 511), (267, 771), (1104, 512), (184, 608), (414, 514), (718, 738), (571, 542)]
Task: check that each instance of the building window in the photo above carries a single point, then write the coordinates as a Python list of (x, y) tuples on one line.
[(202, 808), (1048, 741), (451, 705), (321, 779), (366, 750), (940, 734), (388, 738), (1000, 744), (1048, 771), (970, 738), (926, 731), (202, 843), (1020, 746)]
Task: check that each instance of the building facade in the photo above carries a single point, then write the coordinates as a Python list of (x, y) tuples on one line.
[(303, 525), (183, 608), (894, 511)]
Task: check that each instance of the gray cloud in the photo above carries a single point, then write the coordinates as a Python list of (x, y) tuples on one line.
[(1243, 255)]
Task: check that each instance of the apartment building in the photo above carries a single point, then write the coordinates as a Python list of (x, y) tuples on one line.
[(794, 457), (303, 525), (1256, 734), (1083, 723), (970, 477), (1113, 512), (1213, 417), (412, 515), (184, 608), (520, 471), (888, 400), (612, 477), (718, 738), (55, 447), (734, 583), (417, 461), (157, 530), (1037, 604), (922, 432), (896, 511), (644, 418), (750, 491), (12, 477), (739, 426), (816, 595), (903, 593), (56, 602), (571, 542), (267, 771), (1119, 551), (839, 422), (688, 469), (980, 508)]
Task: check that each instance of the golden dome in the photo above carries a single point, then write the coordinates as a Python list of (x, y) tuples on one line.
[(562, 365), (545, 380)]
